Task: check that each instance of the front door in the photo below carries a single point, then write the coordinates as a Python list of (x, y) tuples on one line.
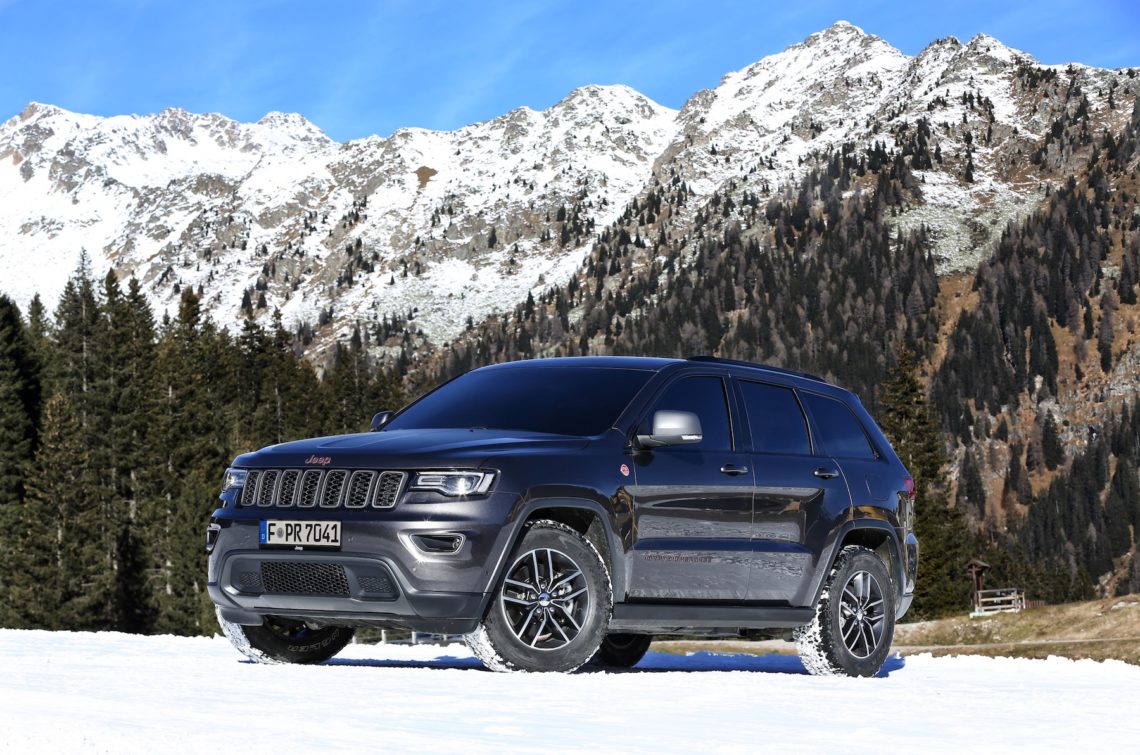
[(692, 504)]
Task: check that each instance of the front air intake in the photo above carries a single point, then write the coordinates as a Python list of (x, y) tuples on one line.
[(304, 578)]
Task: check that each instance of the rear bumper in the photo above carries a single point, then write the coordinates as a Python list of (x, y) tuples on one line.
[(910, 575)]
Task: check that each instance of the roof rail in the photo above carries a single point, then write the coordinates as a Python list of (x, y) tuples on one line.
[(742, 363)]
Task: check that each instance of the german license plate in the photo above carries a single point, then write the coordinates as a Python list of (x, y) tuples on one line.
[(300, 533)]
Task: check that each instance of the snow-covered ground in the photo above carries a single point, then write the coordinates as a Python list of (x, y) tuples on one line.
[(74, 692)]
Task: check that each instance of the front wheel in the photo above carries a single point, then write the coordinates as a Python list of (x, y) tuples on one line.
[(854, 621), (551, 608), (280, 640)]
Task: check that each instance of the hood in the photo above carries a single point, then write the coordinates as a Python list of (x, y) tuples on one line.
[(409, 449)]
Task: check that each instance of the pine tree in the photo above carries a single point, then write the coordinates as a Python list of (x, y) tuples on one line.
[(123, 402), (348, 385), (282, 399), (191, 425), (1051, 443), (1107, 332), (908, 421), (61, 578), (39, 330), (19, 402), (971, 492), (76, 322), (19, 417)]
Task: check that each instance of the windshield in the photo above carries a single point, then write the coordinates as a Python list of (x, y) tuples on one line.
[(558, 400)]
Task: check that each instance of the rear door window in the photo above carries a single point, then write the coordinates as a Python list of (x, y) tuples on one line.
[(775, 418), (840, 433)]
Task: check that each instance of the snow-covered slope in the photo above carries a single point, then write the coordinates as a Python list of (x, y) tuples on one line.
[(366, 229), (447, 227), (819, 92), (72, 692), (766, 125)]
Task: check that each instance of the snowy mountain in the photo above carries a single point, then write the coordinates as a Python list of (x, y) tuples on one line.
[(764, 125), (445, 228)]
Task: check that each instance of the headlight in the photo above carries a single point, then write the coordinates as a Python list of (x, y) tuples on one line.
[(454, 483), (233, 478)]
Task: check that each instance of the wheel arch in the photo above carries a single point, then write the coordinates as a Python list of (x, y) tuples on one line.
[(873, 534), (588, 517)]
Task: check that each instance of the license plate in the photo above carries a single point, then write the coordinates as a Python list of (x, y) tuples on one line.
[(300, 533)]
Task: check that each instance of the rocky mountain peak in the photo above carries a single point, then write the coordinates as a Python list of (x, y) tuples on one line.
[(36, 109), (293, 125), (840, 30)]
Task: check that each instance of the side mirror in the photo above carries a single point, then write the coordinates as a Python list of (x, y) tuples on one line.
[(380, 419), (672, 428)]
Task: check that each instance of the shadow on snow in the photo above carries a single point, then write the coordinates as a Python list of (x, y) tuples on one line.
[(652, 663)]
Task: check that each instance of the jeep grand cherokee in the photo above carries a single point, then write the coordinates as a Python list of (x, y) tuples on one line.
[(555, 511)]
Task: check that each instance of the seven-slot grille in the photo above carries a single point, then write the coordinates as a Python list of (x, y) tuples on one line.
[(328, 489)]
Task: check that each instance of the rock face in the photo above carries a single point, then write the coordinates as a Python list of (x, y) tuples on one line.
[(436, 229)]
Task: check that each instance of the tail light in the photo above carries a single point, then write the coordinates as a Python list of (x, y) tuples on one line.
[(906, 517)]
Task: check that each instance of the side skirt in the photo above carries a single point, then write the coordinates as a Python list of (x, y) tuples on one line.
[(666, 618)]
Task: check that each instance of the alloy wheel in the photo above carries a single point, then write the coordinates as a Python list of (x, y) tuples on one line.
[(545, 599), (861, 614)]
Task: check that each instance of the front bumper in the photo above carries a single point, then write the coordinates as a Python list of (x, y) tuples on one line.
[(381, 576)]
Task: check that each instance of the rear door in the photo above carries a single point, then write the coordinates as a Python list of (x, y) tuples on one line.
[(692, 504), (794, 489), (844, 438)]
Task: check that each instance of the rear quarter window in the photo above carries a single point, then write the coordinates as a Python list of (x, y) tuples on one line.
[(840, 432)]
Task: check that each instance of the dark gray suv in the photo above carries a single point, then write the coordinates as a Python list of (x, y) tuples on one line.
[(559, 511)]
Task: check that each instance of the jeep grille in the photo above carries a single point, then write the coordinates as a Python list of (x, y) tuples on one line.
[(330, 489)]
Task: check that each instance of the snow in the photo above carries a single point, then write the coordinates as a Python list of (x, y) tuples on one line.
[(106, 692)]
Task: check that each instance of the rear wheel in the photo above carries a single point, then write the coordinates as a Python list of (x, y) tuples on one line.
[(622, 650), (854, 620), (552, 607), (280, 640)]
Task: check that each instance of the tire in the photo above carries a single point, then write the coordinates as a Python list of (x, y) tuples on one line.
[(622, 650), (552, 605), (854, 621), (281, 640)]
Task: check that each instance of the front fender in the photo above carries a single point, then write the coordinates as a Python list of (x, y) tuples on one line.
[(526, 509)]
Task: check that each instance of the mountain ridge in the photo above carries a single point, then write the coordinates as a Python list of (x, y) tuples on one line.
[(436, 229)]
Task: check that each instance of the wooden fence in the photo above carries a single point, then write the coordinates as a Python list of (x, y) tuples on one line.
[(994, 601)]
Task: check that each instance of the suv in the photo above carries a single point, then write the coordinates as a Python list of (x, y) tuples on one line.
[(555, 511)]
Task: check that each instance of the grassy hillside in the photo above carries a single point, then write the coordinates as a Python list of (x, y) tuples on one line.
[(1097, 629)]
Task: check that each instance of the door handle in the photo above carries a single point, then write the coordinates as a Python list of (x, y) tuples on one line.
[(732, 469), (824, 473)]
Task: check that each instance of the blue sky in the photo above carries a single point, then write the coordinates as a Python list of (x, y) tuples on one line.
[(360, 68)]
